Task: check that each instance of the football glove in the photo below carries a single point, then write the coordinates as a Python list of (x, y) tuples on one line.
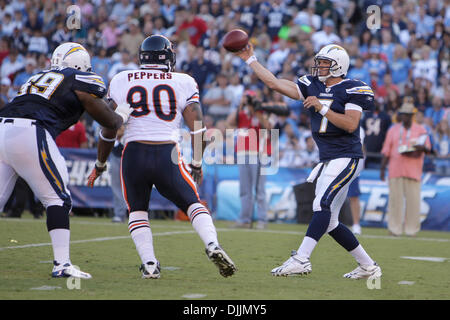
[(196, 173), (96, 172), (124, 110)]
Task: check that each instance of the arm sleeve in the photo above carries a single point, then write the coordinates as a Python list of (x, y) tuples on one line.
[(90, 83), (192, 93), (303, 83), (360, 98)]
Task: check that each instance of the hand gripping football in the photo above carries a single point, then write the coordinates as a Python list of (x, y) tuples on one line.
[(235, 40)]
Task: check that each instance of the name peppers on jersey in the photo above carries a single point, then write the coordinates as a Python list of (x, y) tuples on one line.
[(349, 94), (49, 97), (158, 98)]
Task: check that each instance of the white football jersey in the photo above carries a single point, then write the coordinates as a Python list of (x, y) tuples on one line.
[(158, 99)]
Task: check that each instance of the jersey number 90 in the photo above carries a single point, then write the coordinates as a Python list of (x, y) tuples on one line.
[(138, 99)]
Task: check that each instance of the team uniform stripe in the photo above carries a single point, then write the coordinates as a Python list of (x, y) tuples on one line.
[(186, 175), (341, 180), (49, 168), (124, 188), (135, 226)]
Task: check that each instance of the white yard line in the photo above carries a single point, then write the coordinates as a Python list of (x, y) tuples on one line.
[(297, 233)]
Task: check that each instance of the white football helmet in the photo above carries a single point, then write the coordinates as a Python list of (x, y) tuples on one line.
[(71, 55), (339, 58)]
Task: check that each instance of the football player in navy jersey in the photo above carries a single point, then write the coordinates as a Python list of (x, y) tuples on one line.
[(335, 104), (47, 104)]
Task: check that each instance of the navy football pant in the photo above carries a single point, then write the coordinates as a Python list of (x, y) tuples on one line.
[(146, 165)]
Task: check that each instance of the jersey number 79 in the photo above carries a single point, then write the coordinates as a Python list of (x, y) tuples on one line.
[(138, 99)]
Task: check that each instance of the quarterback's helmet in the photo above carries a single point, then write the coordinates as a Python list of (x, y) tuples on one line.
[(339, 58), (71, 55), (155, 51)]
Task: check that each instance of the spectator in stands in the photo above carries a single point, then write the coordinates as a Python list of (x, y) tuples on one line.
[(202, 70), (22, 77), (132, 40), (110, 35), (74, 137), (383, 90), (122, 10), (436, 112), (38, 43), (101, 64), (195, 25), (310, 154), (441, 145), (325, 36), (400, 67), (359, 71), (403, 150), (421, 99), (375, 125), (12, 63), (125, 63), (217, 103)]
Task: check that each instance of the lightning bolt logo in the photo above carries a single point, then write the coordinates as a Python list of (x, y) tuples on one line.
[(44, 157)]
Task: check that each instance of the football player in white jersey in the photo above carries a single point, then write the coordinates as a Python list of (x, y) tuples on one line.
[(160, 99)]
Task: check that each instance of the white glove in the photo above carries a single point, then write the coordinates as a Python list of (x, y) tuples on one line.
[(124, 110)]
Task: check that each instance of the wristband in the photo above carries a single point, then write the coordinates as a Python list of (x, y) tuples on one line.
[(99, 164), (250, 60), (106, 139), (324, 110), (196, 164)]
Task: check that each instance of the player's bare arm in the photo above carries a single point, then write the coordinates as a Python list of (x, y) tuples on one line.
[(283, 86), (193, 117), (349, 121)]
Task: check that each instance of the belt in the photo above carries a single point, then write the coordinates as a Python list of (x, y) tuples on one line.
[(21, 122)]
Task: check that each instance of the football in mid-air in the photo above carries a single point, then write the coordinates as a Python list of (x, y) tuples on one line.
[(235, 40)]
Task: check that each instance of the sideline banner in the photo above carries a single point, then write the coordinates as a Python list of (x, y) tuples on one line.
[(79, 164), (434, 209)]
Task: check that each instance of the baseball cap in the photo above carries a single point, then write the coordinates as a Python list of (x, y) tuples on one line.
[(407, 107)]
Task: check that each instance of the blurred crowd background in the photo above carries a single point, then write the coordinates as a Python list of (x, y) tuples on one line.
[(408, 55)]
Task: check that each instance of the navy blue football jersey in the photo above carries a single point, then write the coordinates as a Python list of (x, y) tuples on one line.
[(332, 141), (49, 97)]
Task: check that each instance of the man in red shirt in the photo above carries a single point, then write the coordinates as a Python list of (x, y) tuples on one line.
[(195, 26), (249, 121), (74, 137)]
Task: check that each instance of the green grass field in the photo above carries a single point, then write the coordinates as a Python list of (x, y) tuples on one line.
[(107, 252)]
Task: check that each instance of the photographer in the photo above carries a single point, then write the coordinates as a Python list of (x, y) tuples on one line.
[(249, 118)]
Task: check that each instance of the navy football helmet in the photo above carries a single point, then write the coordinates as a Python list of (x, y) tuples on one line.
[(156, 51)]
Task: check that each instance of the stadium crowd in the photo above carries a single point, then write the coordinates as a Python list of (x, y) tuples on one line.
[(407, 55)]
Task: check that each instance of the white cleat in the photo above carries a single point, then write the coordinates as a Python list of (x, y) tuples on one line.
[(365, 272), (68, 270), (293, 266), (220, 258), (150, 270)]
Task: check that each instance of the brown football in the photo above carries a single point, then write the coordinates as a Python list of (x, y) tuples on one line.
[(235, 40)]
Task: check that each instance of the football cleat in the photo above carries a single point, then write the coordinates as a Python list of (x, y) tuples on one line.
[(150, 270), (68, 270), (219, 257), (295, 265), (365, 272)]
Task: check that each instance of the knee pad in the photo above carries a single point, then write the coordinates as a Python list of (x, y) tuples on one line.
[(58, 217)]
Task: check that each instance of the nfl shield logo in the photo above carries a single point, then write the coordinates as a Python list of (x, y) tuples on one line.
[(327, 90)]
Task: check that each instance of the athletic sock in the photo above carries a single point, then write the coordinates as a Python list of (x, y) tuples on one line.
[(202, 223), (307, 247), (361, 256), (61, 245), (141, 234)]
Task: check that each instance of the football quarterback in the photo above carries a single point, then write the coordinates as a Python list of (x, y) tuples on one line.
[(335, 105)]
